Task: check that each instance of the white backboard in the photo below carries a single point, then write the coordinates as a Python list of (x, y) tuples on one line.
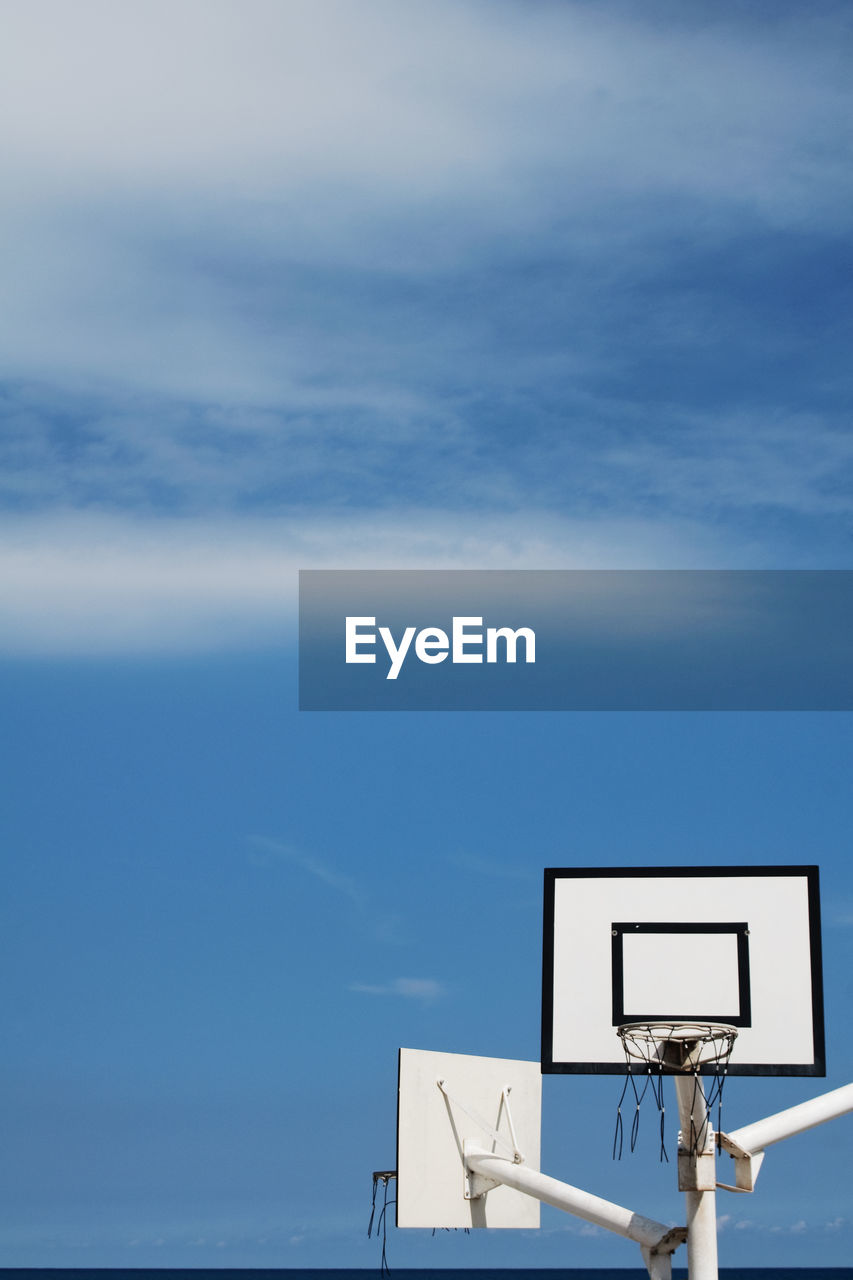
[(738, 945), (433, 1122)]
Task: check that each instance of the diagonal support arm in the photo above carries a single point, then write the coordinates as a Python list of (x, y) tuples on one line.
[(656, 1240), (785, 1124), (746, 1145)]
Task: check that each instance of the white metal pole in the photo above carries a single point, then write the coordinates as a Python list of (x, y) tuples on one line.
[(763, 1133), (700, 1204), (645, 1231)]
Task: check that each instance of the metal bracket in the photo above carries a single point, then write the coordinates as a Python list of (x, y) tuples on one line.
[(659, 1259), (476, 1184), (747, 1164), (696, 1171), (697, 1164)]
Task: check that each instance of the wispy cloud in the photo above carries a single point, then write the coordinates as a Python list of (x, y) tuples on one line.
[(426, 990), (93, 584), (421, 103), (332, 235), (479, 865), (385, 927), (338, 881), (492, 286), (840, 914), (797, 1227)]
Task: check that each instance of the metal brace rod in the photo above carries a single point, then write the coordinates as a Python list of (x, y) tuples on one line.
[(516, 1154), (483, 1124)]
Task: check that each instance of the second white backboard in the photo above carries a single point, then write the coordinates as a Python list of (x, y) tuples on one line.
[(446, 1100)]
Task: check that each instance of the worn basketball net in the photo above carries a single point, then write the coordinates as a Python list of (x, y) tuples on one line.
[(674, 1048)]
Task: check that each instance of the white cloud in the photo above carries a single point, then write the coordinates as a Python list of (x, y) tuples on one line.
[(208, 228), (145, 175), (424, 989), (254, 99), (798, 1227), (94, 585)]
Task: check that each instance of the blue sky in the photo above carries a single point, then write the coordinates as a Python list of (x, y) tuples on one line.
[(469, 285)]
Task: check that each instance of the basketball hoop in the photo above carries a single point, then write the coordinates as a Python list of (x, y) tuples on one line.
[(384, 1176), (671, 1047), (674, 1048)]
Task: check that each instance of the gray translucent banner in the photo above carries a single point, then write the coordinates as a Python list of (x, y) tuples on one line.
[(581, 640)]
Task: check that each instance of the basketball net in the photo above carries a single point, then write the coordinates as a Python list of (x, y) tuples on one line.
[(673, 1048)]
